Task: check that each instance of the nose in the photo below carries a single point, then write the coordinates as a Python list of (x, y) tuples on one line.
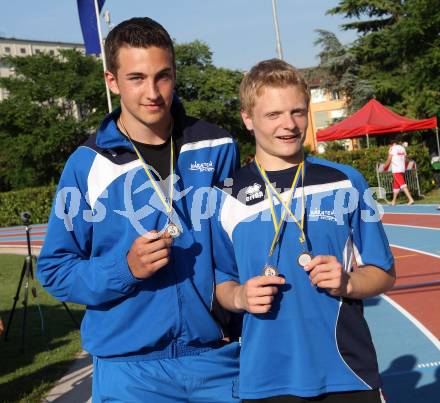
[(289, 122), (151, 90)]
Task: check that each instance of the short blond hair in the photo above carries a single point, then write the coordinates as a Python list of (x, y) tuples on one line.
[(269, 73)]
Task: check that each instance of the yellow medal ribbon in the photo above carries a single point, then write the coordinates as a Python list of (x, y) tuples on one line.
[(157, 189), (270, 189)]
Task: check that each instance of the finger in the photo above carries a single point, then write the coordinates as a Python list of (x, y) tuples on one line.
[(157, 245), (318, 260), (260, 309), (327, 276), (329, 285), (267, 300), (155, 256), (267, 280), (324, 268), (150, 236), (262, 291), (158, 264)]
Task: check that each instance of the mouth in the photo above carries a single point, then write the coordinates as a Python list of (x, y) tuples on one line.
[(290, 137), (152, 107)]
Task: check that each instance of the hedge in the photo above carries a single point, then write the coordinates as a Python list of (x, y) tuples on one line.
[(37, 201), (365, 161)]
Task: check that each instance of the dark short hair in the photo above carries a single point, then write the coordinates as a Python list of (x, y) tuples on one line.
[(269, 73), (137, 33)]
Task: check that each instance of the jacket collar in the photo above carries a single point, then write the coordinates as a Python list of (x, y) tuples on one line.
[(109, 136)]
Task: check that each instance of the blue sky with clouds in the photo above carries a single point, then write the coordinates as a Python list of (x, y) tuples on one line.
[(239, 32)]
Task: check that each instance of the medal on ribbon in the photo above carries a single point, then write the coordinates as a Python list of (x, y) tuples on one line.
[(172, 229), (304, 257)]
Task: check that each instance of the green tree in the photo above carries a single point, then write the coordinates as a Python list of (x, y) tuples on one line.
[(399, 51), (339, 69), (53, 104), (207, 91)]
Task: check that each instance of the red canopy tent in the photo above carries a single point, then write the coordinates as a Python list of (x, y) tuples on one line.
[(373, 119)]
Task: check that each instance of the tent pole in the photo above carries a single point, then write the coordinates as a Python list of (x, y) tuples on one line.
[(368, 141), (438, 144)]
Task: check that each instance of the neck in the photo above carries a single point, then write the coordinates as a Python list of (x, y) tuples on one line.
[(154, 134), (273, 163)]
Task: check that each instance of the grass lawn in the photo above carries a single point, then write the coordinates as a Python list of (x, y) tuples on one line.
[(26, 376), (433, 197)]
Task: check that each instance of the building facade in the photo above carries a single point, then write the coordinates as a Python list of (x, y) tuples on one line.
[(325, 107)]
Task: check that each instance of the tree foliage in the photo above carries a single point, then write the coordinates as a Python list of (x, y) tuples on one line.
[(339, 69), (207, 91), (55, 102), (399, 51)]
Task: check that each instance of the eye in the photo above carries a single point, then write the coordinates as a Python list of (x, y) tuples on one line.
[(272, 115), (299, 113), (165, 76), (135, 78)]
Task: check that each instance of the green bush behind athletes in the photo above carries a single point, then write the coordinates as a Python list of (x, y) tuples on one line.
[(37, 201), (365, 161)]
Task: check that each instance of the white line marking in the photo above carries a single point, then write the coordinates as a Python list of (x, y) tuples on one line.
[(416, 323), (415, 250), (412, 226), (429, 364), (410, 213)]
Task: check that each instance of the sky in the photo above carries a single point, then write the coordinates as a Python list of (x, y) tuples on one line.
[(240, 33)]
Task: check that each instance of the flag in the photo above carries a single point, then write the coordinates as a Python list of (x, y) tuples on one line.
[(89, 28)]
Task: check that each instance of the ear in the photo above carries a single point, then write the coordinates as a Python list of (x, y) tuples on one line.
[(112, 82), (247, 120)]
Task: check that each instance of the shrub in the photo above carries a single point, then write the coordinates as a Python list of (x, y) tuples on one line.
[(365, 161), (37, 201)]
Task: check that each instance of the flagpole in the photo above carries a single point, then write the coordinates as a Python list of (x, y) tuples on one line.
[(104, 64), (277, 32)]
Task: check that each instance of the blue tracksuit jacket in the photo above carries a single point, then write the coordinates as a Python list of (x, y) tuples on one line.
[(105, 201)]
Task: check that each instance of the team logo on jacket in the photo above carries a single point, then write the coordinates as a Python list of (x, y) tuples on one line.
[(254, 192), (317, 214), (202, 166)]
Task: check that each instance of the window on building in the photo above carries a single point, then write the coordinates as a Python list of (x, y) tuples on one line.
[(337, 113), (317, 95), (321, 119), (335, 95), (7, 49), (37, 51), (51, 52), (22, 51)]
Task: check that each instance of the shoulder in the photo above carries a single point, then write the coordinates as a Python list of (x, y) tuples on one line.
[(198, 130), (245, 185), (320, 172)]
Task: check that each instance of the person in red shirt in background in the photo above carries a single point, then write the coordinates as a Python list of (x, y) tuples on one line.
[(397, 160)]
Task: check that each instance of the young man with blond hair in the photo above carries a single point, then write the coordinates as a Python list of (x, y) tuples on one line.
[(286, 233), (122, 240)]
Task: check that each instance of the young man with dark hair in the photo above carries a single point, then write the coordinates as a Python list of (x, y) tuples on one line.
[(123, 240), (285, 235)]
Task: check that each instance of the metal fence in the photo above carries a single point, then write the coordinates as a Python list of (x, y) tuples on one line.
[(385, 180)]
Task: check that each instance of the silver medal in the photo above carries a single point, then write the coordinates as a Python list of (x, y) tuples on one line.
[(304, 258), (173, 230), (270, 270)]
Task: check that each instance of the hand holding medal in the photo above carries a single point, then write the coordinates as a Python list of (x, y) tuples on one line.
[(149, 253), (257, 294), (327, 273)]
